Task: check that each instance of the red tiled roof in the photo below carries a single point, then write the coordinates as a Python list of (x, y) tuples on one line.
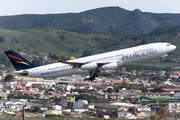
[(124, 112)]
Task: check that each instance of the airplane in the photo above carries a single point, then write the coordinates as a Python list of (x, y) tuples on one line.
[(90, 64)]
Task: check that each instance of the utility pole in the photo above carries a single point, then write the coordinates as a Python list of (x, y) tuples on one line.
[(23, 113)]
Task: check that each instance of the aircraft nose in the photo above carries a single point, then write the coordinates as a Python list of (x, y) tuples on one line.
[(173, 47)]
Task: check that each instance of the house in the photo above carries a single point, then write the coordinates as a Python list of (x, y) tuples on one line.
[(103, 113), (122, 109), (67, 101), (69, 87), (126, 115), (56, 112), (57, 107), (3, 96), (16, 106), (142, 115), (132, 117), (174, 107), (55, 95), (144, 108), (81, 103), (89, 106), (9, 110)]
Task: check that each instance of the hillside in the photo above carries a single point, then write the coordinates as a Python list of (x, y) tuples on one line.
[(64, 43), (113, 20)]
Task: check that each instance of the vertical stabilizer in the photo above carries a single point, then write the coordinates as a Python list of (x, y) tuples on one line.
[(18, 61)]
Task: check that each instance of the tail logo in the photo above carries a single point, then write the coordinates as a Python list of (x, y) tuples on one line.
[(59, 60), (72, 58), (18, 59)]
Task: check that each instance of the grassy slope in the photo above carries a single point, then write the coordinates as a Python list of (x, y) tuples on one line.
[(65, 43), (44, 41)]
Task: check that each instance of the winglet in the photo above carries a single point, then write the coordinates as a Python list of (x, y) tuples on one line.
[(72, 58), (59, 60)]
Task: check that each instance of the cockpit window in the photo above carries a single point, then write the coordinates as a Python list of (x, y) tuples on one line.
[(168, 44)]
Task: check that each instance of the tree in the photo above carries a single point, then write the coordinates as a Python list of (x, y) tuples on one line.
[(124, 84), (144, 41), (37, 109), (8, 78), (2, 39), (157, 89), (52, 56), (109, 90), (143, 103), (113, 114), (87, 53), (116, 89), (144, 90), (38, 62), (51, 115), (84, 96), (44, 102), (131, 110)]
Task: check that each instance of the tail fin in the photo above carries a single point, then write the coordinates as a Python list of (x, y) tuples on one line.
[(18, 61), (72, 58), (59, 60)]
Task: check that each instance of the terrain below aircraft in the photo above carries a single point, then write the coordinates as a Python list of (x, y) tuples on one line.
[(91, 64)]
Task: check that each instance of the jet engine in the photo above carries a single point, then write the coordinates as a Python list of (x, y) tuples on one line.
[(112, 65), (20, 73), (89, 66)]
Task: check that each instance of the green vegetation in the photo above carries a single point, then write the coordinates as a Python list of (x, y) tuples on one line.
[(114, 20), (83, 96), (59, 43)]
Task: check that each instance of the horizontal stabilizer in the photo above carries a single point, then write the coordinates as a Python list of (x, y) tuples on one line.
[(23, 73)]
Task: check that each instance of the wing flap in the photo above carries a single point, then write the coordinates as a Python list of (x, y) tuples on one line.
[(79, 64)]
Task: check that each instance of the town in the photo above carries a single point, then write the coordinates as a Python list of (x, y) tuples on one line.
[(130, 92)]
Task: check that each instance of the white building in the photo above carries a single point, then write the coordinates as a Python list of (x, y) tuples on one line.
[(69, 87), (57, 107), (16, 106), (144, 108), (88, 106), (56, 112), (126, 115), (81, 103), (8, 110)]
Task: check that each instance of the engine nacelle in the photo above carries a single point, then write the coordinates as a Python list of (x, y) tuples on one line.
[(89, 66), (113, 65)]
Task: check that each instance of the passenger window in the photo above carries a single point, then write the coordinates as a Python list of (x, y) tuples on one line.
[(168, 44)]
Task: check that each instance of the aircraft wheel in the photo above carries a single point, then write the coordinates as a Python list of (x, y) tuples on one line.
[(161, 61), (92, 78)]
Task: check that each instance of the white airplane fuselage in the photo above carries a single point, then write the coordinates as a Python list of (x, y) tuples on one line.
[(108, 60)]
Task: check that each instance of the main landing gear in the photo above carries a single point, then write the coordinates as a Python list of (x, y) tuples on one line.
[(93, 74), (161, 61)]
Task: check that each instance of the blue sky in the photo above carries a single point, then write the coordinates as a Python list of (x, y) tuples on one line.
[(16, 7)]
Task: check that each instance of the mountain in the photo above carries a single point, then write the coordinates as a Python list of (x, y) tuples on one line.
[(113, 20)]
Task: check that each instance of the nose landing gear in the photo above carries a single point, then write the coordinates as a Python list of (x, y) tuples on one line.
[(161, 61)]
